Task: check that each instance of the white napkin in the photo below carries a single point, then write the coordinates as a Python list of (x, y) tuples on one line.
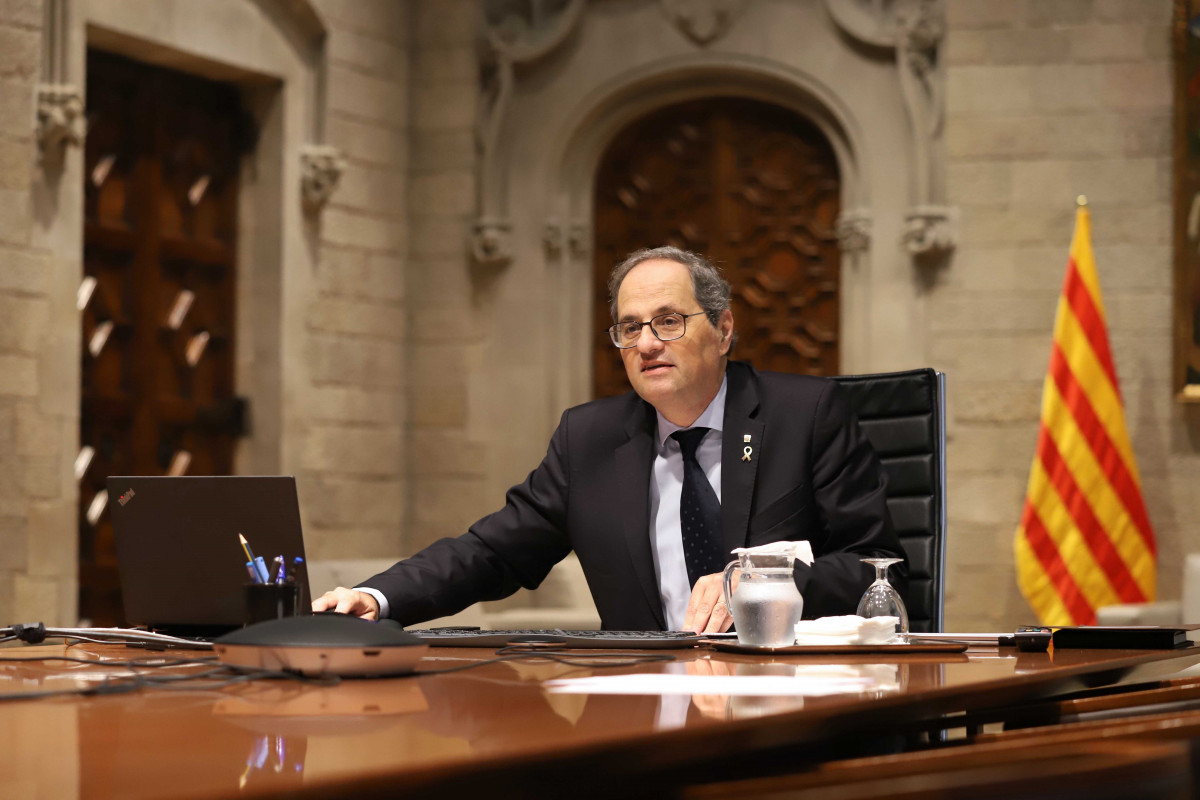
[(849, 629), (794, 551)]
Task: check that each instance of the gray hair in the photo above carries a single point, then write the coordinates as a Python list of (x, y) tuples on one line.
[(710, 288)]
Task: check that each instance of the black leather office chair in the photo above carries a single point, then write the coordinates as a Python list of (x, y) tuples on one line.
[(904, 416)]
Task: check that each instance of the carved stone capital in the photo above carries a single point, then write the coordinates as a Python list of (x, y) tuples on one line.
[(854, 231), (320, 170), (491, 243), (930, 230), (552, 239), (702, 21), (580, 238), (60, 119)]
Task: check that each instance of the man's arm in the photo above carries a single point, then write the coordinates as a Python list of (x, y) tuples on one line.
[(851, 493), (513, 548)]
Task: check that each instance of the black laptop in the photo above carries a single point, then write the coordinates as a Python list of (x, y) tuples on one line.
[(182, 567)]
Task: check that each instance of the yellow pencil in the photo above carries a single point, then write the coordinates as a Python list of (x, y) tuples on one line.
[(246, 547)]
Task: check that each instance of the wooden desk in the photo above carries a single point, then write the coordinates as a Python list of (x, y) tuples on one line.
[(492, 729)]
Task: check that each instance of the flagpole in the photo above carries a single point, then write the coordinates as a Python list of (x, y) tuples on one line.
[(1085, 540)]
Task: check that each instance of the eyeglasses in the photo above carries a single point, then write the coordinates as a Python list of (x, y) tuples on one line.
[(667, 327)]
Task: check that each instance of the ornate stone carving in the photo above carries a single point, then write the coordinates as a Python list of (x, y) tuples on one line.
[(854, 231), (491, 243), (580, 238), (920, 30), (702, 21), (552, 239), (320, 170), (60, 118), (516, 32), (930, 230), (872, 22), (914, 30)]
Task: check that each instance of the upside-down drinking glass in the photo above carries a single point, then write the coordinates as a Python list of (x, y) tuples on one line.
[(881, 599)]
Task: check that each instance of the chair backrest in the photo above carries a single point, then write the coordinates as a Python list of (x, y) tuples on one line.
[(903, 414)]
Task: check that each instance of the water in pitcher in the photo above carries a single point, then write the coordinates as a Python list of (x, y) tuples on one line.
[(766, 611)]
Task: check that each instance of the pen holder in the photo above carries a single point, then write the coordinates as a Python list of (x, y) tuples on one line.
[(266, 601)]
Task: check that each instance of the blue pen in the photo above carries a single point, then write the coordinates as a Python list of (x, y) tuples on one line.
[(301, 585), (260, 567), (277, 567)]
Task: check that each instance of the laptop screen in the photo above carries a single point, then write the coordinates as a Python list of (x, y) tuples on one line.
[(182, 567)]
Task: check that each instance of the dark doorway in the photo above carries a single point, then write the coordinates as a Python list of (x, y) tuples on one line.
[(161, 186)]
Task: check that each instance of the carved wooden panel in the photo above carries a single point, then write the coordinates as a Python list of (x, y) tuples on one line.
[(161, 173), (755, 187)]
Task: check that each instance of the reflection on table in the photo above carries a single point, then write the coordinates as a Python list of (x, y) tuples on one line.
[(483, 727)]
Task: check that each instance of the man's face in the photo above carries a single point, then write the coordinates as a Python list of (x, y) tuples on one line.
[(680, 377)]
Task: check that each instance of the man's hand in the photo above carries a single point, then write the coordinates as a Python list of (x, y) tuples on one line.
[(348, 601), (706, 611)]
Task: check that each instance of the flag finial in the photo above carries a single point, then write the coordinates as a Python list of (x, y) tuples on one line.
[(1081, 201)]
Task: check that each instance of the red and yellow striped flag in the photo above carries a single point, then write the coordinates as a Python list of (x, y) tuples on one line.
[(1085, 539)]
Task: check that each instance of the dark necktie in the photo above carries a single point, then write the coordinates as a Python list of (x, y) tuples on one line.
[(699, 511)]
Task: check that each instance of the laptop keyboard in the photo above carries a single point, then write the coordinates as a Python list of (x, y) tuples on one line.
[(613, 640)]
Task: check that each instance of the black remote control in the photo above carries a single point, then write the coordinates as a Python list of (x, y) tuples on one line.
[(1032, 639)]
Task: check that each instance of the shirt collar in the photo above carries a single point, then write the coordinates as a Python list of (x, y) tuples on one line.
[(713, 417)]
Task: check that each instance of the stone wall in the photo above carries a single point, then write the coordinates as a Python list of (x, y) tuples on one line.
[(351, 462), (334, 413), (1046, 100), (39, 394), (447, 306), (390, 389)]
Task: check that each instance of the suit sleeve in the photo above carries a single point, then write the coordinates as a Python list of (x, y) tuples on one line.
[(511, 549), (850, 491)]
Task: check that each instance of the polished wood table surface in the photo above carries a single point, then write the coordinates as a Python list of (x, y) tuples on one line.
[(493, 729)]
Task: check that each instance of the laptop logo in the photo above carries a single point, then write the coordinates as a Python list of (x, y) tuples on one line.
[(125, 498)]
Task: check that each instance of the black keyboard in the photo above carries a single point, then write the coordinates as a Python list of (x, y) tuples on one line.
[(609, 640)]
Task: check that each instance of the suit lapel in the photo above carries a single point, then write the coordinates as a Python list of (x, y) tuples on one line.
[(737, 473), (633, 463)]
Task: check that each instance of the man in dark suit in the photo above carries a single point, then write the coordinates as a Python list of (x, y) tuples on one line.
[(653, 489)]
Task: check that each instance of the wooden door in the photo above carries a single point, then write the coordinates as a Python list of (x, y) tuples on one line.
[(161, 183), (755, 188)]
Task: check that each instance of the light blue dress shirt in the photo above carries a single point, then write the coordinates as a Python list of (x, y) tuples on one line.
[(666, 485)]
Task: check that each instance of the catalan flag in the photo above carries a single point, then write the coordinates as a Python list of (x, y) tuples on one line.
[(1085, 539)]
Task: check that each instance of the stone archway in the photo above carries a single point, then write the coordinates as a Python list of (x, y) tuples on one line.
[(579, 154)]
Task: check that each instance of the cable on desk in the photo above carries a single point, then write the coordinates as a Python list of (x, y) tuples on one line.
[(37, 632), (31, 632), (132, 663), (121, 684), (106, 688)]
